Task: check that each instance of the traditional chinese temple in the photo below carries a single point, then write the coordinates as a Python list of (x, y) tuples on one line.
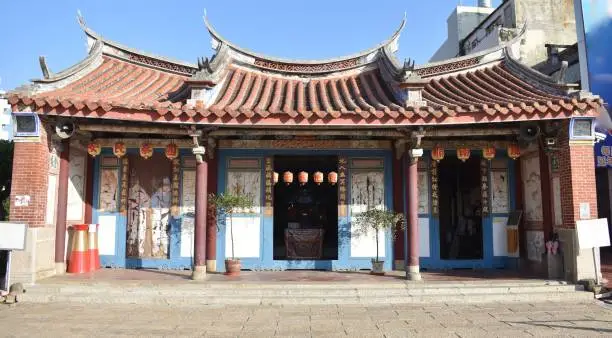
[(485, 157)]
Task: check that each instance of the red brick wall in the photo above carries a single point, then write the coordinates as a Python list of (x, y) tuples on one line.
[(30, 175), (577, 175)]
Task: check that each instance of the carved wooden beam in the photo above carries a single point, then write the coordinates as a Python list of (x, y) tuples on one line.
[(302, 132), (134, 129), (472, 144)]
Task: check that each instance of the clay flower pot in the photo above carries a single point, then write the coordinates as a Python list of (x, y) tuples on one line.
[(232, 267), (378, 267)]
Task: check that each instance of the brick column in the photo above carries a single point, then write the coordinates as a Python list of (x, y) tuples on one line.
[(62, 206), (199, 269), (412, 216), (577, 178), (28, 204), (29, 179)]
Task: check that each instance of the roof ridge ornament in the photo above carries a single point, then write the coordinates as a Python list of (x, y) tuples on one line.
[(204, 64), (43, 67), (81, 19)]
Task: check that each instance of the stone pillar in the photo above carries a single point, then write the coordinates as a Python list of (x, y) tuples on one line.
[(577, 181), (412, 216), (62, 205), (211, 220), (199, 269)]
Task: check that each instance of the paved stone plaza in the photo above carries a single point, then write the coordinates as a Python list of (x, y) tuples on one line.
[(514, 320)]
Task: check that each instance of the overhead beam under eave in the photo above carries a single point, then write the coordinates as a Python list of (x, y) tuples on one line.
[(302, 132), (169, 130), (462, 132), (472, 144)]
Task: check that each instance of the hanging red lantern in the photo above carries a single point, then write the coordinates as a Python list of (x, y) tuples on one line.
[(275, 177), (463, 153), (437, 153), (317, 177), (119, 149), (303, 177), (488, 152), (171, 151), (332, 177), (146, 150), (94, 149), (514, 151), (288, 177)]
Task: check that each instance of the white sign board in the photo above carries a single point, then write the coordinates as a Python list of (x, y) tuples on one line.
[(592, 233), (12, 236)]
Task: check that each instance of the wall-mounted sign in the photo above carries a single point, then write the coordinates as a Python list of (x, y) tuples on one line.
[(603, 152), (22, 200)]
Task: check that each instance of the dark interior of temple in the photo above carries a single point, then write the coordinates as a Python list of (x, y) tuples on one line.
[(305, 215), (461, 234)]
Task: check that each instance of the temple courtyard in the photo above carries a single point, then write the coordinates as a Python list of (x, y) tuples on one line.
[(487, 320)]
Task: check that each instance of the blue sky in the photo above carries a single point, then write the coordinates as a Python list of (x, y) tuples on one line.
[(303, 29)]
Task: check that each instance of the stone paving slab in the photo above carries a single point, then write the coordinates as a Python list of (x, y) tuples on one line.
[(499, 320)]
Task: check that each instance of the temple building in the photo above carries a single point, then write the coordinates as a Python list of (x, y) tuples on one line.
[(476, 151)]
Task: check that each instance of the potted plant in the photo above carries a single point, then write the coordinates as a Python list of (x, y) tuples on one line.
[(228, 203), (378, 220)]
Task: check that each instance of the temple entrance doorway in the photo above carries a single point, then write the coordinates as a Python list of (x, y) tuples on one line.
[(149, 201), (305, 214), (461, 235)]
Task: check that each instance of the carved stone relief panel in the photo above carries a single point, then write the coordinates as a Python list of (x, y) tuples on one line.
[(109, 183), (532, 188), (499, 189), (423, 192), (76, 185), (246, 182)]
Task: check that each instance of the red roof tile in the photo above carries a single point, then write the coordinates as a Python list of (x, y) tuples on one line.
[(119, 85)]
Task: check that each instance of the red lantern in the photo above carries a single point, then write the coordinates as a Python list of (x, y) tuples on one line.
[(317, 177), (119, 149), (488, 152), (288, 177), (94, 149), (463, 153), (146, 150), (171, 151), (514, 151), (332, 177), (275, 177), (303, 177), (437, 153)]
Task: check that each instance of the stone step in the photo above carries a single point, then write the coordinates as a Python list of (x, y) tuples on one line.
[(179, 290), (86, 298), (324, 293)]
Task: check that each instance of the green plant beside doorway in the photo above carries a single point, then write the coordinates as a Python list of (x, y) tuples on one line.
[(378, 220), (227, 203)]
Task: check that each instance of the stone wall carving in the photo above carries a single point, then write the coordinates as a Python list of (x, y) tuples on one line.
[(532, 188)]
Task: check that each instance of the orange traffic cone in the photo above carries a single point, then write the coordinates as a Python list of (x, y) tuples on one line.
[(94, 254), (79, 255)]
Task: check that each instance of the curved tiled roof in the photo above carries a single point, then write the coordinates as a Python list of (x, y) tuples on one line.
[(496, 91), (115, 82)]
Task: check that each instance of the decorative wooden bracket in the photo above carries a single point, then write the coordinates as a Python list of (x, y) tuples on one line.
[(198, 150)]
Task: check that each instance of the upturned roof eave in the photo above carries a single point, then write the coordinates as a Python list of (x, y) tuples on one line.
[(245, 51)]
